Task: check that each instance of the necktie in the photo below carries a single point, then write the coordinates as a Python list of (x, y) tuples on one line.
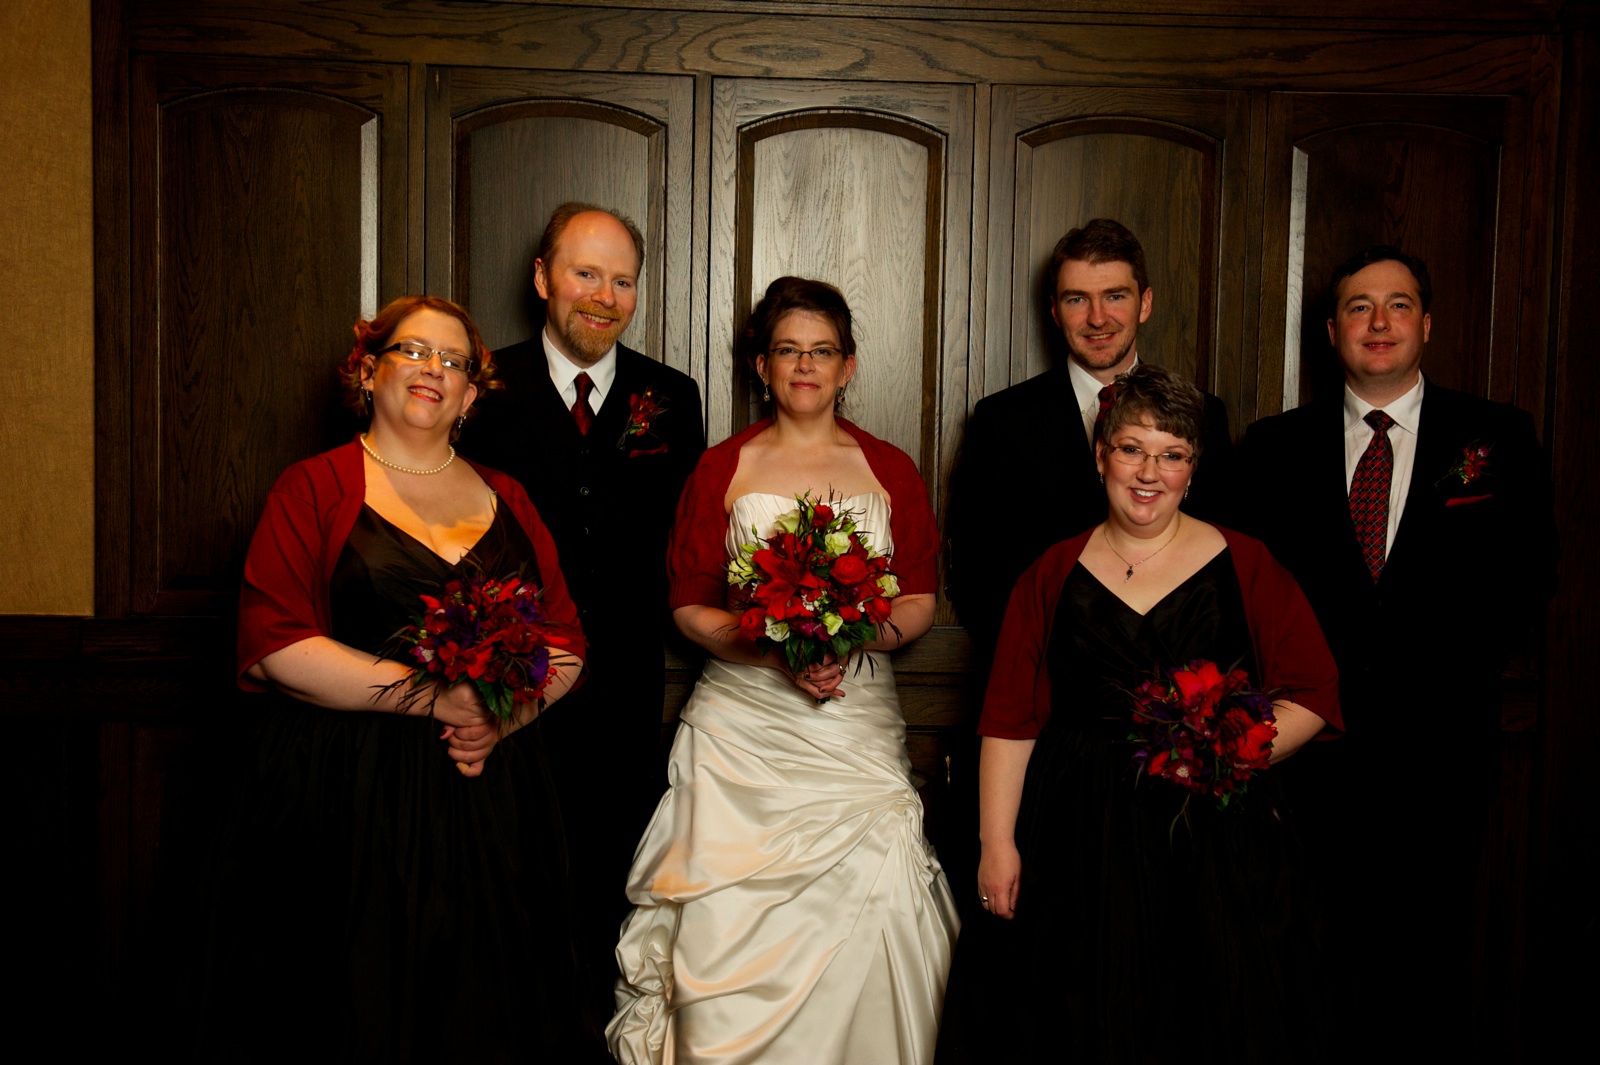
[(580, 410), (1369, 493)]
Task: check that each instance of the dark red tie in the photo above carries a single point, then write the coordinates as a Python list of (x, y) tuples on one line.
[(580, 410), (1369, 493)]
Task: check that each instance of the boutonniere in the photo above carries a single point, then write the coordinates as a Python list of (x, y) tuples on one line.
[(643, 410), (1472, 464)]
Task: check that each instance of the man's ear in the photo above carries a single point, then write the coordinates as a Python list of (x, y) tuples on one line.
[(541, 279)]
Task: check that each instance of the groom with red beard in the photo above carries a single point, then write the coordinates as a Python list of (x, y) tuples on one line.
[(602, 438)]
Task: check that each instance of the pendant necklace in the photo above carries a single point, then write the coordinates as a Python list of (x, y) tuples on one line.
[(1105, 531)]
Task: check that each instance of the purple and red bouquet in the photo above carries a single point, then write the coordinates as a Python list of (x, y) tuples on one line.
[(492, 632), (1203, 730), (816, 585)]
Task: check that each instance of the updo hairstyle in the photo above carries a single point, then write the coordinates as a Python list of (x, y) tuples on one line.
[(788, 294), (375, 335)]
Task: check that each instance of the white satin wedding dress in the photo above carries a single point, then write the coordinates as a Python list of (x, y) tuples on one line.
[(788, 909)]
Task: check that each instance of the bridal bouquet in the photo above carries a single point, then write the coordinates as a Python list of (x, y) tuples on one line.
[(1202, 730), (816, 585), (491, 631)]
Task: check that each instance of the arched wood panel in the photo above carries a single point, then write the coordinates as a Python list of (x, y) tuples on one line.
[(1169, 166), (265, 222), (1440, 178), (505, 148), (867, 187)]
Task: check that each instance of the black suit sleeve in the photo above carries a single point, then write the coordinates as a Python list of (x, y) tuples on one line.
[(983, 560), (1211, 498)]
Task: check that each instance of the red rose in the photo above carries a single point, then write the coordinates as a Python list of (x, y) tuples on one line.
[(878, 609), (848, 569), (753, 622), (821, 515)]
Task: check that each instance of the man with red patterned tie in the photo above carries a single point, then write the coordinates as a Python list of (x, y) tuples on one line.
[(1418, 521), (602, 438)]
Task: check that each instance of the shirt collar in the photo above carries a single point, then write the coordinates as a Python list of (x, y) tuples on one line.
[(563, 369), (1406, 410), (1084, 386)]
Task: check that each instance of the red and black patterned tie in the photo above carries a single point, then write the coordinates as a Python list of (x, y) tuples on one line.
[(1369, 493), (580, 410)]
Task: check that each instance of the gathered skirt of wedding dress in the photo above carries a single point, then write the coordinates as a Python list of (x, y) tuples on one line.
[(788, 909)]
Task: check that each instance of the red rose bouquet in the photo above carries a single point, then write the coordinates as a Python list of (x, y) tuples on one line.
[(490, 631), (816, 585), (1203, 730)]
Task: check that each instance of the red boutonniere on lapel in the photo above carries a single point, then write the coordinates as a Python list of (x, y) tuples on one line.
[(1469, 468), (642, 414)]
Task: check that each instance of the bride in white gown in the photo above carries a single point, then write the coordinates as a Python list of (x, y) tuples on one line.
[(788, 910)]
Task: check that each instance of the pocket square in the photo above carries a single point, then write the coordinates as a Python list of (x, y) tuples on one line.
[(1461, 501)]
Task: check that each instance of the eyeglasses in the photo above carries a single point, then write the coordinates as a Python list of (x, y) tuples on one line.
[(822, 354), (1167, 461), (412, 351)]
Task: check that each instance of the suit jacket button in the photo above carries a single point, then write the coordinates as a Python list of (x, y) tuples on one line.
[(584, 490)]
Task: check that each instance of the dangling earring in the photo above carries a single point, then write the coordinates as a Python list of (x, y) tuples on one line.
[(840, 397), (1186, 489), (1102, 478), (461, 421), (766, 392), (366, 398)]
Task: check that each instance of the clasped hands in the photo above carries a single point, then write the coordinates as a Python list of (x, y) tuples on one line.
[(470, 731), (821, 680)]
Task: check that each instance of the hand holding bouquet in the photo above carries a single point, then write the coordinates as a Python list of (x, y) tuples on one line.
[(491, 632), (816, 585), (1202, 730)]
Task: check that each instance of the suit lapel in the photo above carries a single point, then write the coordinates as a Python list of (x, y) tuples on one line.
[(1329, 470), (1437, 440), (612, 417)]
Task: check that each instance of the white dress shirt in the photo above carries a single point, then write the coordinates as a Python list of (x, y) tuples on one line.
[(1407, 414), (1086, 390), (564, 373)]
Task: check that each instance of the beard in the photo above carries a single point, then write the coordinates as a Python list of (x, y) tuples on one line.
[(581, 340), (1101, 358)]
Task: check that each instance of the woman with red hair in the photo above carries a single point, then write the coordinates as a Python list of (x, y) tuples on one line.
[(384, 891)]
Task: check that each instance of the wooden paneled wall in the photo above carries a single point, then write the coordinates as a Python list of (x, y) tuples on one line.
[(268, 172)]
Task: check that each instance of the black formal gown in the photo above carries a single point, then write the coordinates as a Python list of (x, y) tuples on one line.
[(372, 904), (1138, 939)]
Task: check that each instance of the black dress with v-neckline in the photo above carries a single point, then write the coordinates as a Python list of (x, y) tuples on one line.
[(1137, 939), (374, 904)]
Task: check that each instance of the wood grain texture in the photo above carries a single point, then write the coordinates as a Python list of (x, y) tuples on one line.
[(1171, 167), (1120, 10), (264, 231), (842, 204), (512, 145), (800, 43), (890, 238), (1441, 178)]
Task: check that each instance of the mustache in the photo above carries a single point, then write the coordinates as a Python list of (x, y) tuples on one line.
[(594, 310)]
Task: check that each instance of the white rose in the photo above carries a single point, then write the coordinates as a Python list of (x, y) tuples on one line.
[(888, 585), (789, 523), (837, 544), (832, 622), (777, 630)]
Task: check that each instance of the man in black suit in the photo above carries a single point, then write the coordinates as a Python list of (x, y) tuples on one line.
[(1418, 521), (1026, 477), (602, 438)]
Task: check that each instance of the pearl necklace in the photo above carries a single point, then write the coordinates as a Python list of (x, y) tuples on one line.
[(406, 469), (1105, 531)]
